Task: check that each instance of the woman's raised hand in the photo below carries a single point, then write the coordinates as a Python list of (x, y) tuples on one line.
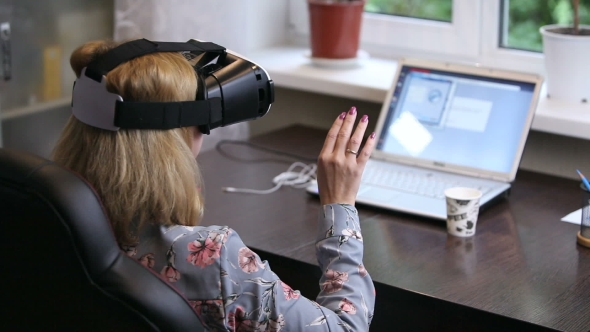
[(341, 164)]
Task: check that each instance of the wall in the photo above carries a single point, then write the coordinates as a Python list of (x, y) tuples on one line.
[(236, 24), (43, 35), (34, 103), (544, 152)]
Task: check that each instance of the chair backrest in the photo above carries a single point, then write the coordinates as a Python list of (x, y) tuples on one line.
[(63, 269)]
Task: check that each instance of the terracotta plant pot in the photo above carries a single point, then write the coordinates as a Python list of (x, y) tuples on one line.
[(335, 28)]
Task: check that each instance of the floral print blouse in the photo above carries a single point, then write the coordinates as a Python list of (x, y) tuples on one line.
[(231, 289)]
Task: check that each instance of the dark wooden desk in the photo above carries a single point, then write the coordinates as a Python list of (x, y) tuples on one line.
[(522, 270)]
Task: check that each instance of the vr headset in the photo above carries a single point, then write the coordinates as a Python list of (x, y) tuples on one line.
[(230, 89)]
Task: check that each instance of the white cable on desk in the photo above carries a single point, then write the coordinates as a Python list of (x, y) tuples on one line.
[(292, 178)]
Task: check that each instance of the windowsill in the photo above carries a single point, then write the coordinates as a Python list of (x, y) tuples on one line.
[(289, 67)]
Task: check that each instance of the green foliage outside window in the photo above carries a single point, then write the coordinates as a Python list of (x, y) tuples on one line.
[(525, 17), (439, 10)]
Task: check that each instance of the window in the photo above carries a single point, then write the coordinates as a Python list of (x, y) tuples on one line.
[(437, 10), (495, 33)]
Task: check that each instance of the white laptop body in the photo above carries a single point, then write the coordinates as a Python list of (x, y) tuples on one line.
[(467, 124)]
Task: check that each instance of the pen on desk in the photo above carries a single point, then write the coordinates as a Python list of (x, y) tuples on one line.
[(584, 180)]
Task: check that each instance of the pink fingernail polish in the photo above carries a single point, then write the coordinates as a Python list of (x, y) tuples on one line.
[(342, 115), (352, 110), (372, 135), (365, 118)]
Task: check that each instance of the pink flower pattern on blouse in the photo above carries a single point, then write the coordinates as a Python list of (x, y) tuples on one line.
[(352, 233), (237, 321), (276, 325), (334, 281), (362, 271), (204, 252), (221, 236), (290, 294), (170, 273), (247, 260), (347, 306), (148, 260), (212, 312)]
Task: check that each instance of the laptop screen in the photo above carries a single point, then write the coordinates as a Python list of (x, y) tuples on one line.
[(455, 118)]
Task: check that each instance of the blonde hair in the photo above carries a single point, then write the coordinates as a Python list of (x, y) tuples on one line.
[(140, 175)]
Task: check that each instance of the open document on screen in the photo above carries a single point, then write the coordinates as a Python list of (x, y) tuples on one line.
[(458, 119)]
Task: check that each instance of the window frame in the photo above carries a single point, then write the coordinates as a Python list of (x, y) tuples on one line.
[(493, 55), (471, 37)]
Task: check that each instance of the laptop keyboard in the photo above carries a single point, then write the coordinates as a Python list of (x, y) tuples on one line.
[(424, 184)]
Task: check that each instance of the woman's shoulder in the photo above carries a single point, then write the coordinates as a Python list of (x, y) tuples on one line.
[(197, 229), (178, 231), (184, 239), (193, 238)]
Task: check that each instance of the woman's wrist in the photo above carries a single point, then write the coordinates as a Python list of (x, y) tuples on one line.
[(337, 219), (328, 201)]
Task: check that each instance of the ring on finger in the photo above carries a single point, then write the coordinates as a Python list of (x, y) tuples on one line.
[(352, 151)]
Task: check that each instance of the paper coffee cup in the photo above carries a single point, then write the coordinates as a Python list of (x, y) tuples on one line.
[(462, 210)]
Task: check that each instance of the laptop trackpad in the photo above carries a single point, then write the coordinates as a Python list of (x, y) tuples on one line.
[(370, 193)]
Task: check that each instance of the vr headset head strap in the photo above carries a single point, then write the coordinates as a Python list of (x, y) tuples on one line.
[(95, 106), (136, 48), (155, 115)]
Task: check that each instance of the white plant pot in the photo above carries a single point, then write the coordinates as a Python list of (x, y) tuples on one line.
[(566, 64)]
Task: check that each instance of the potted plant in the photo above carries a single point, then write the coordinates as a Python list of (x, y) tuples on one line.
[(566, 48), (335, 28)]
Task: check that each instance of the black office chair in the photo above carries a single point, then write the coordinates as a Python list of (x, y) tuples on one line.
[(61, 267)]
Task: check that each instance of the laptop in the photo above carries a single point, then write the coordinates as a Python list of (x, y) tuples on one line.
[(444, 125)]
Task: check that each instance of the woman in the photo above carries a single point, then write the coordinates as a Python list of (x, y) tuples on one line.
[(149, 183)]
